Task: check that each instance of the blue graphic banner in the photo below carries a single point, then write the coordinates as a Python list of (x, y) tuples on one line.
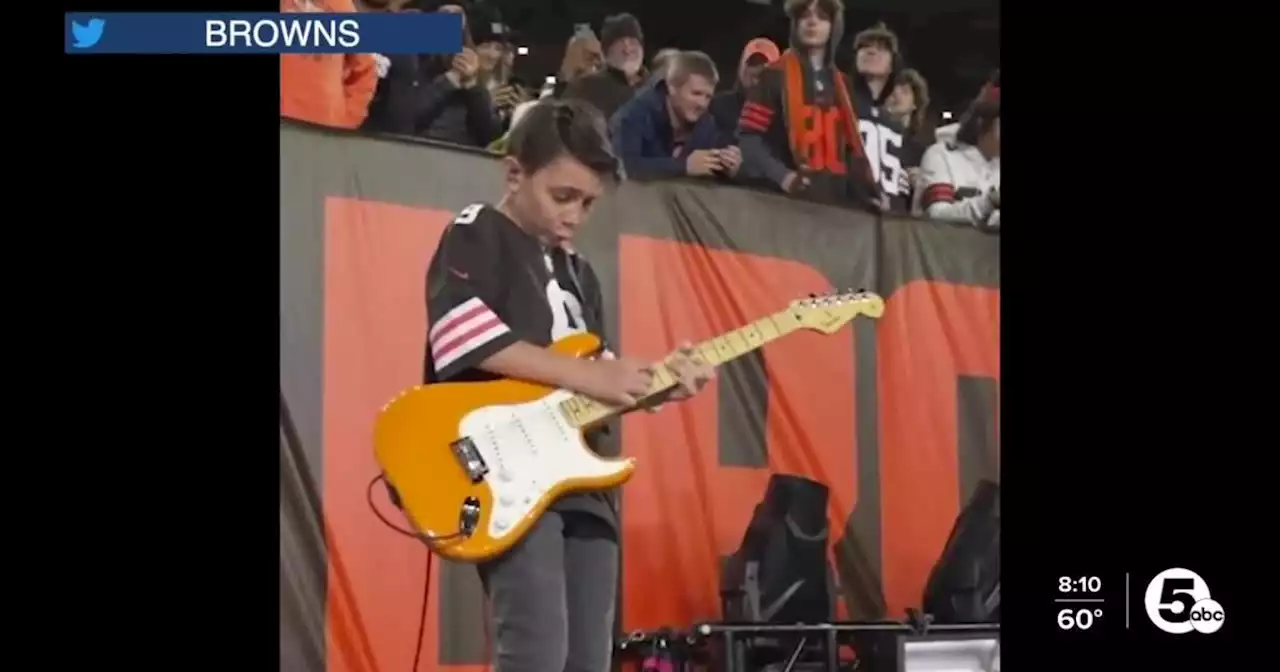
[(262, 33)]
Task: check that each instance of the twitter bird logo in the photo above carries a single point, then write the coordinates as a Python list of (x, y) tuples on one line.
[(86, 35)]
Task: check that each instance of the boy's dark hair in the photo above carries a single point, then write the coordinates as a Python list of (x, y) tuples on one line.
[(552, 128)]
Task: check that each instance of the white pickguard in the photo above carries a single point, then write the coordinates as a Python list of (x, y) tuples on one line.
[(529, 448)]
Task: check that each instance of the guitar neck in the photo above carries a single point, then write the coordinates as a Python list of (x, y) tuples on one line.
[(585, 412)]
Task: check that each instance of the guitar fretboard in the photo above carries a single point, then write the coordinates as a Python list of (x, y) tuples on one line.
[(583, 411)]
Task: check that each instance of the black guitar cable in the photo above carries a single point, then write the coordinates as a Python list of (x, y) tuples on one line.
[(376, 512), (426, 583)]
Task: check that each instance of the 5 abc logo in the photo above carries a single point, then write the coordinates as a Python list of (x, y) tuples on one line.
[(1178, 601)]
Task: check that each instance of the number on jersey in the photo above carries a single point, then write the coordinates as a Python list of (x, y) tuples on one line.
[(469, 214), (886, 167)]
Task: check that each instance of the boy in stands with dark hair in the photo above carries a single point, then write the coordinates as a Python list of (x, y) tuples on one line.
[(503, 285), (798, 126)]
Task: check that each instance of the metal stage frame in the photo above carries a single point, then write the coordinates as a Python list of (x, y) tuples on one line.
[(731, 638)]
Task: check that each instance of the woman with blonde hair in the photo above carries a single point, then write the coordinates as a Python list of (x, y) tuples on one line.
[(582, 56)]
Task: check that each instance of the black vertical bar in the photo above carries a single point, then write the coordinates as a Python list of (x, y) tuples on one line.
[(977, 404), (743, 406), (730, 652), (833, 652)]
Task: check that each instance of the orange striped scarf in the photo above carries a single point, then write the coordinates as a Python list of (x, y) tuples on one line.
[(795, 100)]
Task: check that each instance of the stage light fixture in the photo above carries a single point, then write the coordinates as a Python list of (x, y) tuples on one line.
[(964, 585), (781, 572)]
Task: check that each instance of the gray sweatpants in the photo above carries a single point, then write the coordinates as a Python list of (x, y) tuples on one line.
[(552, 596)]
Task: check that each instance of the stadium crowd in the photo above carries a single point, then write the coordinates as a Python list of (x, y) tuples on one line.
[(791, 121)]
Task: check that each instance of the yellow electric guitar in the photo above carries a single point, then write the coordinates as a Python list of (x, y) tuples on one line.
[(476, 464)]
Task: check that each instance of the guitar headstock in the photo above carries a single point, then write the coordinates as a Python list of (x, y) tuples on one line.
[(827, 313)]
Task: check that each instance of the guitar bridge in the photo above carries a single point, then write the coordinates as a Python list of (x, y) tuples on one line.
[(464, 450)]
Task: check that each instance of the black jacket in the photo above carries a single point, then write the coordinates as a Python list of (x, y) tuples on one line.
[(726, 107)]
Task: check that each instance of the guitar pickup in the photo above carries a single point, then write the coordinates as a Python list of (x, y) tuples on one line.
[(469, 458)]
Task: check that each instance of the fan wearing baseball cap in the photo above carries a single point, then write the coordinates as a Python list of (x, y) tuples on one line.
[(726, 107)]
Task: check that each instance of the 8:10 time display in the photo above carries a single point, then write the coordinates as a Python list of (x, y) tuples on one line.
[(1082, 584)]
